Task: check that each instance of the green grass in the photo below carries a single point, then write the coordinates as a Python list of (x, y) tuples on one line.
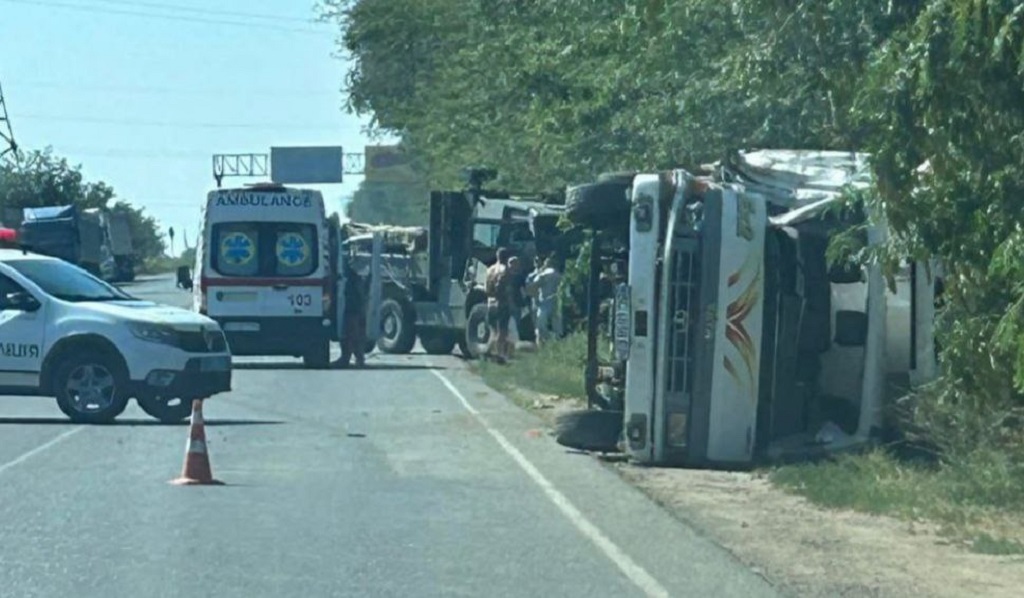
[(556, 368), (977, 500)]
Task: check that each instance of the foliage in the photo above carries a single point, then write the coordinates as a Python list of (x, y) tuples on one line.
[(45, 179), (552, 93), (391, 203)]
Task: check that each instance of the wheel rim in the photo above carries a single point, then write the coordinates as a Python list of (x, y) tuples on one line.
[(390, 325), (91, 388), (482, 332)]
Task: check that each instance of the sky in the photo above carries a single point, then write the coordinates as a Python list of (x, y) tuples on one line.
[(143, 93)]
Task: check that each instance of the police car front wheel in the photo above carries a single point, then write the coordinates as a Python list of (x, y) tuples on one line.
[(169, 410), (90, 388)]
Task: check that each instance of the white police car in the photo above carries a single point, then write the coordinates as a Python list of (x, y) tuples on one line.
[(67, 334)]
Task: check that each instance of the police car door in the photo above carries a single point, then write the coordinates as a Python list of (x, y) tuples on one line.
[(22, 330)]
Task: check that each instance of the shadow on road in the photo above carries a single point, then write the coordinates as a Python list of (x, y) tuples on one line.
[(54, 421), (285, 365)]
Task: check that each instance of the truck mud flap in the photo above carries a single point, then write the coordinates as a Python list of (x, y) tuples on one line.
[(590, 430)]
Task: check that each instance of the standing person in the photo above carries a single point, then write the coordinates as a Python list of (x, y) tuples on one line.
[(514, 283), (354, 341), (497, 305), (543, 284)]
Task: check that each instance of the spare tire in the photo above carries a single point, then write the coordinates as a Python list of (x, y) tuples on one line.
[(600, 206)]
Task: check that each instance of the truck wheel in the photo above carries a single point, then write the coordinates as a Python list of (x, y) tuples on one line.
[(318, 358), (437, 342), (599, 205), (90, 387), (168, 410), (398, 332), (478, 333)]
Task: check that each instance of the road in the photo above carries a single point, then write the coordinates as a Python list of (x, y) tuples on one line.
[(409, 478)]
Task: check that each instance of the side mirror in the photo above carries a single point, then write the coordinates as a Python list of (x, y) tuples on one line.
[(20, 301)]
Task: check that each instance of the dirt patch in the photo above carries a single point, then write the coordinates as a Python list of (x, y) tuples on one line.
[(808, 551)]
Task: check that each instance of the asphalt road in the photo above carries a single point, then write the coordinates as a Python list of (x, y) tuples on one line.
[(409, 478)]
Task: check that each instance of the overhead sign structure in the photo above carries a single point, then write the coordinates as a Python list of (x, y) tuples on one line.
[(389, 164), (306, 165)]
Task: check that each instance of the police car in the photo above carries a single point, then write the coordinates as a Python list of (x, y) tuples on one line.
[(67, 334)]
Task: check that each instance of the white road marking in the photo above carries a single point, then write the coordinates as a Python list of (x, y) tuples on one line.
[(636, 574), (42, 447)]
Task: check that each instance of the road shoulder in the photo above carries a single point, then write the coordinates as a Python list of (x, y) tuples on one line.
[(803, 549)]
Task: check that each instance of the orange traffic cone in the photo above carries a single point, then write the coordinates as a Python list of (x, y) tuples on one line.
[(197, 463)]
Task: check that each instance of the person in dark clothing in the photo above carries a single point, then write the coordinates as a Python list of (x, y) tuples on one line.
[(353, 342)]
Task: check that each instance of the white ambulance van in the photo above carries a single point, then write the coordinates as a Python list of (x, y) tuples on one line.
[(263, 271)]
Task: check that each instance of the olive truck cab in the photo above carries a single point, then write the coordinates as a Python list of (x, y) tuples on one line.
[(735, 338), (67, 334), (433, 277)]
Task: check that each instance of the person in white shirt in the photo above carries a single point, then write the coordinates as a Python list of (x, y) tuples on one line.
[(542, 284)]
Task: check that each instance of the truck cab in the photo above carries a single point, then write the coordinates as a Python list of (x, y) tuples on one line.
[(739, 339)]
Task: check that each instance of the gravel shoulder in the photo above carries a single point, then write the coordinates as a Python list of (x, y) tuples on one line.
[(805, 550)]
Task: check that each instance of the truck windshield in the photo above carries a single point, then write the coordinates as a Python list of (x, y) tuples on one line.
[(69, 283), (273, 249)]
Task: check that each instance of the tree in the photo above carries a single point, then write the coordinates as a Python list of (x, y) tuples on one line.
[(44, 179), (556, 92), (391, 203)]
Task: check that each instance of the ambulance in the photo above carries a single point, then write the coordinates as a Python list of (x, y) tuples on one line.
[(264, 271)]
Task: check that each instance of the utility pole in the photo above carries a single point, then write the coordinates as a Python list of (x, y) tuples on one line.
[(8, 144)]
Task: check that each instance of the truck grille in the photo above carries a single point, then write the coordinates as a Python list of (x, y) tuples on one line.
[(207, 341), (684, 321)]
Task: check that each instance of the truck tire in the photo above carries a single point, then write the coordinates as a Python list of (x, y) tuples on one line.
[(478, 333), (171, 410), (319, 357), (590, 430), (90, 387), (600, 206), (398, 327), (437, 342)]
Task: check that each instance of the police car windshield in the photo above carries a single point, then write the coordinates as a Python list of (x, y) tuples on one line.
[(64, 281)]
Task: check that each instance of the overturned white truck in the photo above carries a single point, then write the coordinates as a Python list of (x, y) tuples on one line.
[(734, 339)]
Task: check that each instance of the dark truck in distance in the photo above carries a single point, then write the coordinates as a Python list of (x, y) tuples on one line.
[(96, 240)]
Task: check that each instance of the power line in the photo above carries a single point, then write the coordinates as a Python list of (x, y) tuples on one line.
[(181, 125), (206, 11), (248, 91), (166, 17)]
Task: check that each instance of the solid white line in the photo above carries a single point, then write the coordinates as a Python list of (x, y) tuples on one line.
[(636, 574), (42, 447)]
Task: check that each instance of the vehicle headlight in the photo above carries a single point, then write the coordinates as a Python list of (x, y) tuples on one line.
[(155, 333)]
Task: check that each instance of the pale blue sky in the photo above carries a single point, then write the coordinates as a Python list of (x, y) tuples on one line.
[(144, 100)]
